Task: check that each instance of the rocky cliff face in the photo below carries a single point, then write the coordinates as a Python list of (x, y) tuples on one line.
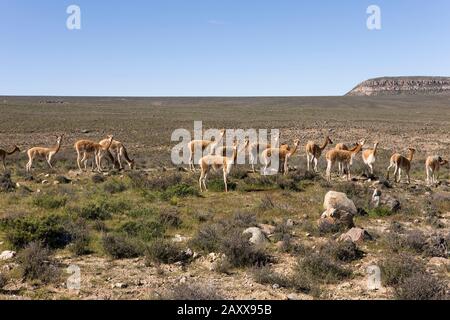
[(402, 86)]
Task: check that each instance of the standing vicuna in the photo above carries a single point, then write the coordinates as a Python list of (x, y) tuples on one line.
[(314, 151), (400, 163), (195, 145), (432, 167), (369, 156), (4, 153), (255, 149), (216, 162), (88, 147), (283, 153), (343, 157), (46, 153), (118, 152)]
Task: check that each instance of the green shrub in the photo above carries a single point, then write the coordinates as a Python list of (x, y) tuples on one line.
[(95, 211), (141, 212), (207, 238), (179, 190), (121, 247), (379, 212), (170, 217), (50, 230), (6, 184), (345, 251), (35, 263), (217, 185), (144, 230), (49, 202), (79, 236)]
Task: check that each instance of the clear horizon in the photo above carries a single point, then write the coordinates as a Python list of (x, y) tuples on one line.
[(216, 48)]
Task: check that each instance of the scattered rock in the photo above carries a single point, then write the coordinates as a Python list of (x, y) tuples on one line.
[(6, 255), (179, 238), (257, 237), (63, 180), (293, 296), (267, 228), (355, 235), (339, 200), (44, 182), (335, 216), (290, 222), (119, 285)]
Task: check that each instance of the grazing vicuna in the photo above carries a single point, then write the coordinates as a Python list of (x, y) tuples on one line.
[(369, 156), (216, 162), (4, 153), (255, 149), (202, 145), (116, 152), (432, 166), (87, 148), (46, 153), (343, 157), (283, 153), (314, 151), (399, 163)]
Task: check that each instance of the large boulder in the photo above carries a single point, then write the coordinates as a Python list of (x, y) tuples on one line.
[(355, 235), (380, 199), (339, 201), (335, 217), (257, 237)]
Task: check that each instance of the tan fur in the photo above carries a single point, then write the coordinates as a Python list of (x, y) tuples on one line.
[(202, 145), (87, 148), (314, 151), (4, 153), (284, 153), (369, 156), (119, 152), (216, 162), (400, 163), (342, 146), (343, 157), (432, 166), (42, 152), (255, 149)]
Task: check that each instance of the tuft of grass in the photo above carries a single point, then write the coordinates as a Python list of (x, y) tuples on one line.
[(6, 183), (114, 186), (421, 286), (80, 237), (179, 190), (144, 230), (345, 251), (3, 281), (379, 212), (322, 268), (164, 251), (397, 268)]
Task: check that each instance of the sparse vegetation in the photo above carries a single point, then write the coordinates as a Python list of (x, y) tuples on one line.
[(36, 263), (121, 247)]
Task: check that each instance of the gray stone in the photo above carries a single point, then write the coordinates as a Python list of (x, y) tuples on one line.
[(257, 237), (6, 255), (339, 201)]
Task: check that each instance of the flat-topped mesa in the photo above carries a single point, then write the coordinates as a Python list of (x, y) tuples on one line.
[(387, 86)]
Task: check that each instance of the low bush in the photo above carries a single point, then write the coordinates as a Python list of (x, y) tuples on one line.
[(416, 240), (396, 268), (49, 202), (35, 263), (322, 268), (421, 286), (114, 186), (170, 218), (394, 242), (6, 184), (179, 190), (379, 212), (3, 281), (79, 236), (297, 281), (50, 230), (164, 251), (144, 230), (99, 210), (98, 178), (207, 238), (121, 247), (345, 251)]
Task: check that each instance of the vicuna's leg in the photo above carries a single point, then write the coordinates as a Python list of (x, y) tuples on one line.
[(49, 160), (78, 160), (407, 176), (349, 176), (371, 168), (388, 170), (4, 163), (427, 171), (252, 157), (307, 161), (328, 172), (286, 168), (29, 163), (119, 158), (315, 164), (225, 178)]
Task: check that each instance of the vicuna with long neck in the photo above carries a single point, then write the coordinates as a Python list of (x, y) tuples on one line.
[(4, 153), (116, 152), (42, 152), (202, 145), (343, 157), (314, 151), (216, 162), (399, 163), (283, 153), (88, 148), (369, 156), (433, 165), (255, 149)]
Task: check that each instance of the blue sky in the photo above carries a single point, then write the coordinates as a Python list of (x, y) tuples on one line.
[(216, 47)]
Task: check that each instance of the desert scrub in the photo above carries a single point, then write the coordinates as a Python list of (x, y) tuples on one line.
[(344, 251), (421, 286), (192, 292), (49, 202), (379, 212), (217, 185), (396, 268), (121, 247), (102, 209), (322, 268), (6, 184), (296, 281), (142, 229), (164, 251), (170, 217), (80, 236), (179, 190), (35, 263), (50, 230), (3, 281), (114, 186)]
